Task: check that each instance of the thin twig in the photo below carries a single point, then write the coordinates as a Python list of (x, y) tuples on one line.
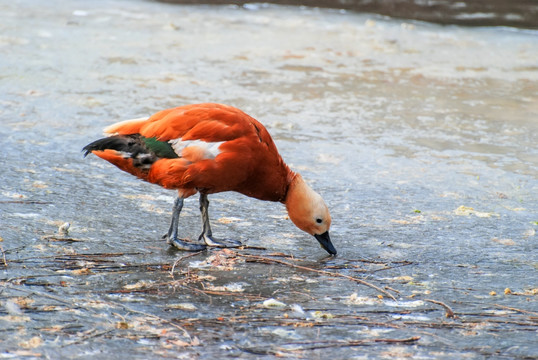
[(3, 255), (181, 259), (42, 294), (248, 247), (155, 317), (37, 202), (362, 342), (400, 264), (331, 344), (324, 272), (84, 338), (449, 313), (225, 293), (391, 289), (515, 309), (59, 238)]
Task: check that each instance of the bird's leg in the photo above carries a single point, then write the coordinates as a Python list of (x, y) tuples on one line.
[(178, 206), (172, 238), (206, 234)]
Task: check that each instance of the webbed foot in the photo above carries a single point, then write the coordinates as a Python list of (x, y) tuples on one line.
[(184, 245), (225, 243)]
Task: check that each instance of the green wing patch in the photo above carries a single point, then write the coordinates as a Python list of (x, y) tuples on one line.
[(161, 148)]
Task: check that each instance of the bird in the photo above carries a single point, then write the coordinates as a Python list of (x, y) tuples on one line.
[(210, 148)]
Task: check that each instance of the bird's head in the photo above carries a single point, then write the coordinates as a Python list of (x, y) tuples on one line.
[(309, 213)]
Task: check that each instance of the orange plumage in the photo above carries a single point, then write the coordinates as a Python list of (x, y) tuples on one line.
[(211, 148)]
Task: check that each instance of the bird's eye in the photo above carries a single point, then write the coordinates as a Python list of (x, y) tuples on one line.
[(319, 221)]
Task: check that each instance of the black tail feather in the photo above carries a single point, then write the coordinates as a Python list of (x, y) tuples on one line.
[(130, 144)]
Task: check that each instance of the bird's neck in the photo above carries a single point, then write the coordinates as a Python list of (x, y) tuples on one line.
[(296, 187), (291, 179), (298, 202)]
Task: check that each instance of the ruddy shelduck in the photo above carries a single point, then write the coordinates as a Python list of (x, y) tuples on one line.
[(206, 149)]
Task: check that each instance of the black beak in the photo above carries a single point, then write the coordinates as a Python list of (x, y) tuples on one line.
[(325, 242)]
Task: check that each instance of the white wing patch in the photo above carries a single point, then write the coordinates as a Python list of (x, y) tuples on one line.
[(211, 149)]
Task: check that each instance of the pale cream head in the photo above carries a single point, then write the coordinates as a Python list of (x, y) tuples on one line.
[(306, 208)]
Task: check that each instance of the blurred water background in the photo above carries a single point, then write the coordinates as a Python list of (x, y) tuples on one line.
[(421, 137)]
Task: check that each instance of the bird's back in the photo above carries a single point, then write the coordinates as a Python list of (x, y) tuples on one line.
[(201, 147)]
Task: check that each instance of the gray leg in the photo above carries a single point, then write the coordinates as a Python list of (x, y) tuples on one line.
[(172, 238), (206, 234)]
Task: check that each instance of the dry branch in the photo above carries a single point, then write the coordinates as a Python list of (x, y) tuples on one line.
[(449, 312), (515, 309), (181, 259), (157, 318), (324, 272), (89, 335), (3, 255), (225, 293), (302, 346)]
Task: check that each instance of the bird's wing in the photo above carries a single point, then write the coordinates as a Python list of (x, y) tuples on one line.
[(202, 147), (218, 147), (211, 123)]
